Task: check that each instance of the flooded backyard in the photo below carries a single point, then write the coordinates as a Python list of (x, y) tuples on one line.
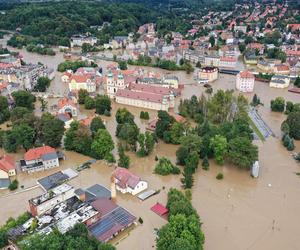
[(238, 212)]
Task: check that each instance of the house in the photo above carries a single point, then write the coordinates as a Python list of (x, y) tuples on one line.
[(67, 106), (77, 82), (79, 40), (7, 170), (279, 81), (212, 60), (126, 182), (208, 73), (227, 62), (250, 58), (39, 159), (282, 69), (47, 201), (242, 28), (245, 81), (171, 81)]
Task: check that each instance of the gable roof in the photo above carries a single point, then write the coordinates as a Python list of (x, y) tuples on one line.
[(64, 102), (37, 153), (7, 163), (126, 178)]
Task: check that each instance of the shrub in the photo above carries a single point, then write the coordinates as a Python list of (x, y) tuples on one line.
[(141, 220), (165, 167), (14, 185), (107, 113), (219, 176)]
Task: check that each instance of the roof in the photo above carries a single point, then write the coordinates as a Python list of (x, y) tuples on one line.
[(79, 78), (53, 180), (50, 156), (7, 163), (37, 153), (4, 183), (228, 59), (103, 205), (140, 95), (159, 209), (126, 178), (246, 74), (149, 89), (99, 191), (117, 219), (64, 102), (282, 68)]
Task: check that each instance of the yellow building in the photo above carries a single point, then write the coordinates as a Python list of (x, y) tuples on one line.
[(208, 73)]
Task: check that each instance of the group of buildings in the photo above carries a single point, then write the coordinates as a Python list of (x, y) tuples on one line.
[(15, 75), (62, 206)]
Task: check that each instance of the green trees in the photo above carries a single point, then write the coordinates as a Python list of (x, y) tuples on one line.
[(77, 238), (212, 41), (146, 144), (219, 145), (102, 145), (165, 167), (4, 112), (82, 94), (297, 82), (124, 160), (122, 65), (51, 130), (89, 103), (242, 152), (66, 65), (278, 104), (205, 163), (255, 101), (288, 142), (293, 123), (42, 84), (144, 115), (184, 228), (102, 104), (24, 99), (96, 124), (163, 125), (176, 132)]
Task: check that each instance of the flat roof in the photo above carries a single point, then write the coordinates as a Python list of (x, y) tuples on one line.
[(52, 181), (99, 191), (146, 195)]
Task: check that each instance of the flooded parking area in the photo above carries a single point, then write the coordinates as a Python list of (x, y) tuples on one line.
[(238, 212)]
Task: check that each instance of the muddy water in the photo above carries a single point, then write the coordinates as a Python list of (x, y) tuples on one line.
[(238, 212)]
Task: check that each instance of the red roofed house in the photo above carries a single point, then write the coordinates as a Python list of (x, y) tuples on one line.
[(7, 169), (160, 210), (127, 182), (245, 81), (38, 159), (68, 106)]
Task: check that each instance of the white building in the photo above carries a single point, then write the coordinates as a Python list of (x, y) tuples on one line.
[(114, 82), (245, 81), (39, 159), (208, 73), (279, 81), (45, 202), (79, 40), (127, 182)]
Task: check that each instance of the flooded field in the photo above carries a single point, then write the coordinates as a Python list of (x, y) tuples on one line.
[(238, 212)]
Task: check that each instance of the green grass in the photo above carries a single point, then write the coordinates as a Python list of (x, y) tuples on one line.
[(256, 130)]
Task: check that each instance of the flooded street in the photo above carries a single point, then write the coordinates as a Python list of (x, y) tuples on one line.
[(238, 212)]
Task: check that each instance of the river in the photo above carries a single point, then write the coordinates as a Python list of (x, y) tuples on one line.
[(238, 212)]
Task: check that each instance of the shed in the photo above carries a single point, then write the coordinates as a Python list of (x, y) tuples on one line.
[(160, 209)]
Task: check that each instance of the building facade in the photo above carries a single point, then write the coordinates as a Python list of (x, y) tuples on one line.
[(245, 81)]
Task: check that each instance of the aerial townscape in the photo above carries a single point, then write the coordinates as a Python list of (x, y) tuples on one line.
[(155, 124)]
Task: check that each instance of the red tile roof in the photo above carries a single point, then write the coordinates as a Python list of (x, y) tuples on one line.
[(149, 89), (65, 101), (7, 163), (246, 74), (144, 96), (159, 209), (37, 153), (228, 59), (79, 78), (282, 68), (126, 178)]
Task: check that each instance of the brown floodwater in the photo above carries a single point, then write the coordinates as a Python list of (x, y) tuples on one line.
[(238, 212)]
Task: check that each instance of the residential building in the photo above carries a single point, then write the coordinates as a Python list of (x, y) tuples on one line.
[(171, 81), (39, 159), (212, 60), (86, 82), (208, 73), (126, 182), (228, 62), (47, 201), (279, 81), (245, 81), (79, 40), (7, 170)]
